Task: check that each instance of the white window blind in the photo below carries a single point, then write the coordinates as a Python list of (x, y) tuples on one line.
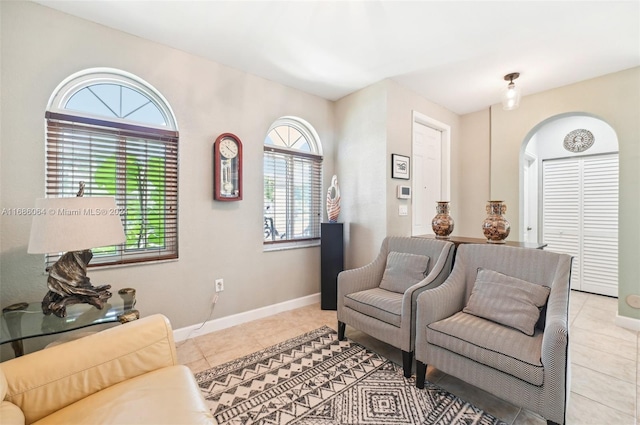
[(293, 199), (137, 165)]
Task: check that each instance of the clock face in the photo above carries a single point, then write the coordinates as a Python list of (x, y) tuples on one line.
[(227, 168), (228, 148)]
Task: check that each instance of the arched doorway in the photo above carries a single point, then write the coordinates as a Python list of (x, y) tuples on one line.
[(569, 196)]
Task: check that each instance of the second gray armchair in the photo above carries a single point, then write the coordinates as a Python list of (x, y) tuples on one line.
[(501, 322), (379, 299)]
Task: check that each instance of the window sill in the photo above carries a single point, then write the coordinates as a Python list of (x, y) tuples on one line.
[(98, 267), (290, 245)]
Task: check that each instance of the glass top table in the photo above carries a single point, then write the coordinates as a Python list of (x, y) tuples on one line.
[(26, 320)]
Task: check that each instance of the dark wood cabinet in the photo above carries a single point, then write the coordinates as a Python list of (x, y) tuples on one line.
[(457, 240), (331, 263)]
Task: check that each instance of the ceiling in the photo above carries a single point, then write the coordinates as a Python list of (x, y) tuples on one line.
[(452, 53)]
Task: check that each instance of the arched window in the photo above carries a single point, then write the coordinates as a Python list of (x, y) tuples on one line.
[(118, 135), (292, 184)]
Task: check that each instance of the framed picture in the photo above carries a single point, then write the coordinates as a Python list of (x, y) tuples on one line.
[(400, 167)]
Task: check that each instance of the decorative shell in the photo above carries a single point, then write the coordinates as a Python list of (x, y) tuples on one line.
[(333, 200)]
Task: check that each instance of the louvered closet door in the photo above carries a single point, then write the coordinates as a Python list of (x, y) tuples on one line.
[(561, 211), (600, 225), (580, 217)]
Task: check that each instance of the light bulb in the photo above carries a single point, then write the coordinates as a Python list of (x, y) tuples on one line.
[(511, 97)]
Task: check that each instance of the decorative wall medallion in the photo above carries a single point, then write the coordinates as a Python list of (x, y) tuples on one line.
[(578, 140)]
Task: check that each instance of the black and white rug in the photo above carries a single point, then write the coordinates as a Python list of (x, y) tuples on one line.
[(316, 379)]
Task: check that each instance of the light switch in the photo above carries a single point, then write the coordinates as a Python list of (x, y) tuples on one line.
[(403, 210)]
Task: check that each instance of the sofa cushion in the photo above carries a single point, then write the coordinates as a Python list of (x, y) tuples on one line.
[(507, 300), (165, 396), (377, 303), (491, 344), (10, 414), (108, 357), (3, 385), (404, 270)]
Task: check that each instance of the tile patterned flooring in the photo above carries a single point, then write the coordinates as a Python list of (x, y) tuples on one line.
[(605, 373)]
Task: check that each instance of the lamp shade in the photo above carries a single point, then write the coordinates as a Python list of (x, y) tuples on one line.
[(511, 97), (74, 224)]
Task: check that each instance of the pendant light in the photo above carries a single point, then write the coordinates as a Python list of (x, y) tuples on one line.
[(511, 96)]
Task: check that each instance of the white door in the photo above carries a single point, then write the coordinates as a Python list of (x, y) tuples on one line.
[(427, 177), (530, 196), (580, 217)]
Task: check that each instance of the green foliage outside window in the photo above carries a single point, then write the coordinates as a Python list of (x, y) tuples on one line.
[(269, 189), (144, 196)]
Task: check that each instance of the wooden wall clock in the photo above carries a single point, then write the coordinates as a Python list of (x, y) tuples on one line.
[(227, 168)]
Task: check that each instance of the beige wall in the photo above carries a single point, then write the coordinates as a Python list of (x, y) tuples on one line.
[(361, 168), (402, 103), (372, 124), (614, 98), (40, 48), (474, 173)]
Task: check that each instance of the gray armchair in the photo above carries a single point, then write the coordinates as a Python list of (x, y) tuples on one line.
[(380, 298), (524, 365)]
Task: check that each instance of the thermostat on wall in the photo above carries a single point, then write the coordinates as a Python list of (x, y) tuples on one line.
[(404, 192)]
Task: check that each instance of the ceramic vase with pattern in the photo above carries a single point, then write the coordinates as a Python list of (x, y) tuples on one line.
[(442, 223), (495, 227)]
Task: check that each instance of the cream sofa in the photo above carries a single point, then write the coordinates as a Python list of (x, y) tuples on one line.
[(124, 375)]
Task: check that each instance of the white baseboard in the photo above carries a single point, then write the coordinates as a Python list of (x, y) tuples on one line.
[(247, 316), (628, 323)]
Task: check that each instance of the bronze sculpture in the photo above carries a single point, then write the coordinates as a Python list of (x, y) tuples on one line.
[(68, 284)]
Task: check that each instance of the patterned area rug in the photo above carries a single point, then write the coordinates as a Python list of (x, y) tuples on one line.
[(316, 379)]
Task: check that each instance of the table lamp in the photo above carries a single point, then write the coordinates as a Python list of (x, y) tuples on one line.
[(74, 225)]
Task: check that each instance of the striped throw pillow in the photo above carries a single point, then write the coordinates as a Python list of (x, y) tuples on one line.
[(507, 300)]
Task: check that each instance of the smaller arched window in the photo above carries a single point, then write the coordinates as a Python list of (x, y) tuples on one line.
[(292, 183), (117, 134)]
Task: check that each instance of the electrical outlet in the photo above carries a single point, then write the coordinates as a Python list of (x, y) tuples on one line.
[(219, 285)]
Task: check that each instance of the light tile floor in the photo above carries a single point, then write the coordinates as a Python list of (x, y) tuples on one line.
[(605, 373)]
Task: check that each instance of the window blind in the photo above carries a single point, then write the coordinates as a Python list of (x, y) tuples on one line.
[(293, 199), (135, 164)]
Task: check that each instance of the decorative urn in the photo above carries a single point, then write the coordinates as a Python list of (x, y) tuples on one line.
[(495, 227), (442, 223)]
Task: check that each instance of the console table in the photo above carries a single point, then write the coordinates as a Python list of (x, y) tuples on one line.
[(26, 320), (457, 240)]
